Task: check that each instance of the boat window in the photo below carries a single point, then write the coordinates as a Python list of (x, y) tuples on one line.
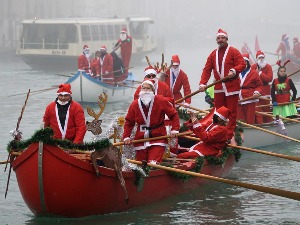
[(95, 33), (138, 29), (110, 32), (117, 28), (48, 36), (103, 33), (85, 33)]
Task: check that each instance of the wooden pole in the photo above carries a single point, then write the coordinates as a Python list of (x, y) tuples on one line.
[(283, 118), (153, 139), (196, 92), (268, 190), (268, 131), (294, 158), (283, 103)]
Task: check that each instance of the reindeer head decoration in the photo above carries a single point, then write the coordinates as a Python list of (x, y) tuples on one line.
[(95, 125), (161, 71)]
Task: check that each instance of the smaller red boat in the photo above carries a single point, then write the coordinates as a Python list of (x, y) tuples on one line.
[(54, 182)]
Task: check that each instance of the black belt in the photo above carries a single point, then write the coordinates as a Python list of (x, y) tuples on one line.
[(152, 128)]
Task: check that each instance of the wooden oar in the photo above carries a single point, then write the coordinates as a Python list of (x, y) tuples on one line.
[(294, 158), (283, 103), (263, 98), (283, 118), (4, 162), (268, 131), (196, 92), (41, 90), (153, 139), (269, 190), (249, 98), (294, 73)]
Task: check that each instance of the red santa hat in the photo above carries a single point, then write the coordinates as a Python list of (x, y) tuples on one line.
[(175, 60), (260, 53), (284, 37), (85, 46), (64, 89), (246, 56), (149, 70), (151, 83), (124, 30), (103, 47), (222, 33), (223, 113)]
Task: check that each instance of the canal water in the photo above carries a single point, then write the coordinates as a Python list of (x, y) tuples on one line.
[(216, 203)]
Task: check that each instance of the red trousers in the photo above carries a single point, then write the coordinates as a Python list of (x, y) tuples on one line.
[(188, 155), (154, 152), (246, 113), (230, 102)]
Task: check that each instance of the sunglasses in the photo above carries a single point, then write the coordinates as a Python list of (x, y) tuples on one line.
[(151, 76)]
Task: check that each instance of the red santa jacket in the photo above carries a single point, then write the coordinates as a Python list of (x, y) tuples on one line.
[(266, 76), (250, 83), (213, 138), (283, 48), (95, 66), (75, 122), (106, 67), (232, 60), (281, 91), (151, 123), (126, 50), (181, 81), (84, 63), (161, 88), (296, 49)]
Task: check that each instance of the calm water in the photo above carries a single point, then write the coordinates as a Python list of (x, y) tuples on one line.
[(216, 203)]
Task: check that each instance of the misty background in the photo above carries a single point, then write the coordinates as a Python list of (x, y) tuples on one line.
[(182, 23)]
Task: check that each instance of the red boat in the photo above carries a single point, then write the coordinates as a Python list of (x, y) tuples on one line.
[(56, 183)]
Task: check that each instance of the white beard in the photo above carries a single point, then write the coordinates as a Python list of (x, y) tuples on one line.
[(175, 71), (123, 36), (261, 63), (146, 97), (62, 103)]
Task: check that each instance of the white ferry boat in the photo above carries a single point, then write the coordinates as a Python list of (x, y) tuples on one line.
[(56, 43)]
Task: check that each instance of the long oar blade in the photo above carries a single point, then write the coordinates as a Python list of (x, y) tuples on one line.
[(268, 190)]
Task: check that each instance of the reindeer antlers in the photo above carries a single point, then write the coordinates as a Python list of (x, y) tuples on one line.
[(163, 66), (102, 103), (279, 63)]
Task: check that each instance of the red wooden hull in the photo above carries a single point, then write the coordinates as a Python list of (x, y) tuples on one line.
[(66, 186)]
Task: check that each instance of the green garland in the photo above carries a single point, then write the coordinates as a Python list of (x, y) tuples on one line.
[(45, 136)]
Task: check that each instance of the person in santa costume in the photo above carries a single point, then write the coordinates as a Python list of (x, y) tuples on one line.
[(296, 47), (125, 44), (265, 73), (251, 86), (148, 114), (105, 69), (95, 64), (65, 116), (84, 60), (284, 48), (225, 61), (280, 93), (213, 135), (161, 88), (177, 79)]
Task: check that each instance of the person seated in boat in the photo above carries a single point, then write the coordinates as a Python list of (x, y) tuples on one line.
[(177, 80), (118, 68), (280, 93), (251, 87), (265, 73), (65, 116), (209, 96), (105, 69), (213, 135), (161, 88), (95, 64), (84, 60), (148, 113)]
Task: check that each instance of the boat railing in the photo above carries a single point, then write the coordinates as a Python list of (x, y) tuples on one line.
[(44, 45)]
